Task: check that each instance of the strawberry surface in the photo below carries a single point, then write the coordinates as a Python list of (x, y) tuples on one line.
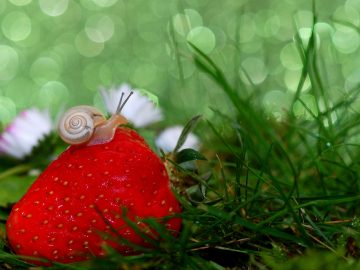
[(76, 204)]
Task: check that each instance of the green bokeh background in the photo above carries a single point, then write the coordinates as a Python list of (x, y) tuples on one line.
[(58, 53)]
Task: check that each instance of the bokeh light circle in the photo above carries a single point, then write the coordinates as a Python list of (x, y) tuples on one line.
[(184, 22), (346, 13), (303, 18), (308, 112), (86, 46), (161, 10), (144, 74), (181, 24), (355, 4), (322, 28), (246, 28), (16, 26), (53, 95), (20, 2), (54, 8), (21, 91), (89, 5), (305, 35), (267, 23), (346, 42), (187, 69), (7, 110), (9, 60), (33, 39), (104, 3), (99, 28), (91, 76), (292, 79), (277, 103), (67, 53), (290, 58), (253, 70), (45, 69), (253, 46), (3, 5), (203, 38), (220, 37)]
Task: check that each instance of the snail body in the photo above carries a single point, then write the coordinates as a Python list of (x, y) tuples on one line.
[(105, 132), (87, 125)]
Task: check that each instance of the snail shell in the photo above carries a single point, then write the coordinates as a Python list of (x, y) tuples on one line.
[(77, 125)]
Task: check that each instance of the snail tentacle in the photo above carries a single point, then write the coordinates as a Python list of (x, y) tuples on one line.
[(106, 131)]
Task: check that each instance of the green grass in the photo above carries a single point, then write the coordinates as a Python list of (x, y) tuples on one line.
[(270, 195)]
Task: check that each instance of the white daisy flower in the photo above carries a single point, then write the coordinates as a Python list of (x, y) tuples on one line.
[(140, 110), (169, 137), (25, 132)]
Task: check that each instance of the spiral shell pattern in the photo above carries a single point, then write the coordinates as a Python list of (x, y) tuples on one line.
[(77, 125)]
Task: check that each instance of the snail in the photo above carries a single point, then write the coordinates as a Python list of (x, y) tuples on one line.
[(87, 125)]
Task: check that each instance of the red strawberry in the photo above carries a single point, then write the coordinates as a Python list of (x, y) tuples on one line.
[(82, 193)]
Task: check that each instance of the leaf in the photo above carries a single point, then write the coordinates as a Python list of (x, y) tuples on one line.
[(152, 97), (14, 170), (188, 154), (13, 188), (186, 131), (216, 266), (3, 215), (2, 236)]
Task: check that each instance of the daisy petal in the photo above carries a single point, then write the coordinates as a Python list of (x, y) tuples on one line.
[(139, 109), (168, 138), (25, 132)]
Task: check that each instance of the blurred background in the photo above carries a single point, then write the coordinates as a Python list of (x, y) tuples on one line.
[(58, 53), (285, 149)]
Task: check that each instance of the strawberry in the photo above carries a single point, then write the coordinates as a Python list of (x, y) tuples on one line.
[(75, 205)]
